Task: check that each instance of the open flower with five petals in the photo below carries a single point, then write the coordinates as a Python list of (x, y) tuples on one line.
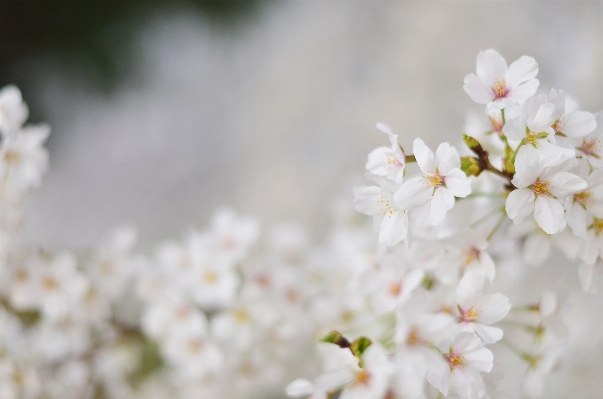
[(541, 184), (377, 201), (442, 180), (498, 85), (385, 161)]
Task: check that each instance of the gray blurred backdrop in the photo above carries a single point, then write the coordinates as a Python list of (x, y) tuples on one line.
[(163, 111)]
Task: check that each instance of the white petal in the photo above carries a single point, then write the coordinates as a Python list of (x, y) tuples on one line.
[(413, 193), (515, 129), (394, 228), (424, 157), (458, 183), (564, 184), (587, 277), (469, 290), (544, 118), (551, 165), (589, 249), (494, 307), (519, 204), (480, 359), (442, 202), (479, 92), (549, 214), (465, 343), (447, 158), (521, 71), (490, 66), (526, 166), (523, 91), (488, 334), (578, 123), (368, 200), (300, 387)]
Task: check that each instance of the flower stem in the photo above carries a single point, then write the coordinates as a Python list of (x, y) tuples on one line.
[(498, 224)]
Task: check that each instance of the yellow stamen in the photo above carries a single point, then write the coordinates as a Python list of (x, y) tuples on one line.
[(49, 283), (395, 289), (390, 161), (455, 360), (598, 226), (470, 255), (11, 156), (500, 88), (470, 314), (363, 377), (584, 198), (413, 337), (542, 188), (434, 180), (591, 147), (241, 315), (559, 125), (386, 207), (210, 277)]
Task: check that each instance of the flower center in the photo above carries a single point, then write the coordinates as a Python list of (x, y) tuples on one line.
[(11, 157), (496, 123), (391, 161), (470, 255), (395, 289), (584, 198), (387, 207), (210, 277), (531, 138), (413, 337), (241, 316), (500, 88), (591, 147), (434, 180), (542, 188), (558, 125), (455, 360), (362, 377), (49, 283), (470, 314), (598, 226)]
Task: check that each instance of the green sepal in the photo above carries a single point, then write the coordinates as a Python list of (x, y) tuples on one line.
[(335, 337), (471, 166), (360, 345)]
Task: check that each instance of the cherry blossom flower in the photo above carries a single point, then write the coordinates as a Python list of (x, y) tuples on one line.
[(477, 311), (377, 201), (534, 126), (468, 250), (13, 111), (499, 86), (541, 184), (442, 180), (23, 159), (587, 202), (461, 366), (569, 122), (387, 162)]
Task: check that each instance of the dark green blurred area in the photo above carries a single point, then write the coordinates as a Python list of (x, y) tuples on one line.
[(92, 38)]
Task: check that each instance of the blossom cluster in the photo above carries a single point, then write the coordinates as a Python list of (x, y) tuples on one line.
[(424, 309), (531, 178)]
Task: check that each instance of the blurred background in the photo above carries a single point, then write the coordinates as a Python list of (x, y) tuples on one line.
[(161, 111)]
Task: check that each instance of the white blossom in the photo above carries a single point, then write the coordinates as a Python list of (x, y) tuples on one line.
[(499, 86), (442, 180), (541, 184)]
